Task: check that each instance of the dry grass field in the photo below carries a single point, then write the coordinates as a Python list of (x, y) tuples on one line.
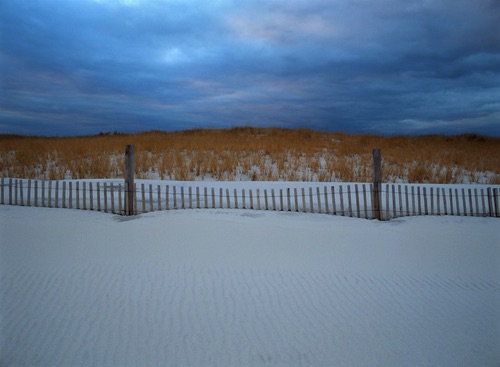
[(264, 154)]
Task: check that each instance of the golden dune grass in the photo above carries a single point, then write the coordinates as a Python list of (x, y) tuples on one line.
[(255, 154)]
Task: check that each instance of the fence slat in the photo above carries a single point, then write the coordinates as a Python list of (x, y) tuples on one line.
[(432, 201), (98, 188), (490, 201), (303, 200), (21, 192), (265, 199), (438, 201), (296, 199), (451, 202), (120, 202), (70, 195), (43, 194), (319, 199), (365, 207), (471, 209), (77, 194), (29, 193), (444, 203), (85, 196), (167, 189), (151, 203), (197, 197), (356, 191), (407, 201), (143, 198), (50, 195), (419, 201), (205, 191), (289, 199), (134, 198), (56, 199), (273, 199), (174, 189), (105, 194), (281, 199), (325, 192), (250, 194), (183, 202), (311, 205), (387, 210), (36, 193), (334, 202), (496, 203), (483, 203), (393, 189), (91, 196), (10, 191), (2, 194), (426, 211), (477, 202), (342, 212), (464, 202), (112, 193), (349, 201), (190, 196), (16, 191), (400, 195), (159, 197)]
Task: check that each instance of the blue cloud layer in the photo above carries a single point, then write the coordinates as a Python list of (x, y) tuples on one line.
[(385, 66)]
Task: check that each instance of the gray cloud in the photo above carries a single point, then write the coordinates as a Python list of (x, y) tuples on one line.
[(385, 66)]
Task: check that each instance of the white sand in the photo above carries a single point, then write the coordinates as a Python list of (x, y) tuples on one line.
[(246, 288)]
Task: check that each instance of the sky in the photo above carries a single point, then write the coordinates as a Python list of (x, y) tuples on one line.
[(388, 67)]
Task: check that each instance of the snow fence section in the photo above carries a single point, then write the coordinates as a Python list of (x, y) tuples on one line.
[(345, 199)]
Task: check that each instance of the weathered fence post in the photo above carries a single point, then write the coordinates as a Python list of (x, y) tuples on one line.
[(129, 179), (377, 183)]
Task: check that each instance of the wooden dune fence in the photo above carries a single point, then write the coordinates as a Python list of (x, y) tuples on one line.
[(353, 200)]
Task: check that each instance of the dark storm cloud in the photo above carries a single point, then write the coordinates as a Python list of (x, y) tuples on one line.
[(385, 66)]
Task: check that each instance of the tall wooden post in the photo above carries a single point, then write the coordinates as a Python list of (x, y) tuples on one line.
[(377, 183), (129, 179)]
